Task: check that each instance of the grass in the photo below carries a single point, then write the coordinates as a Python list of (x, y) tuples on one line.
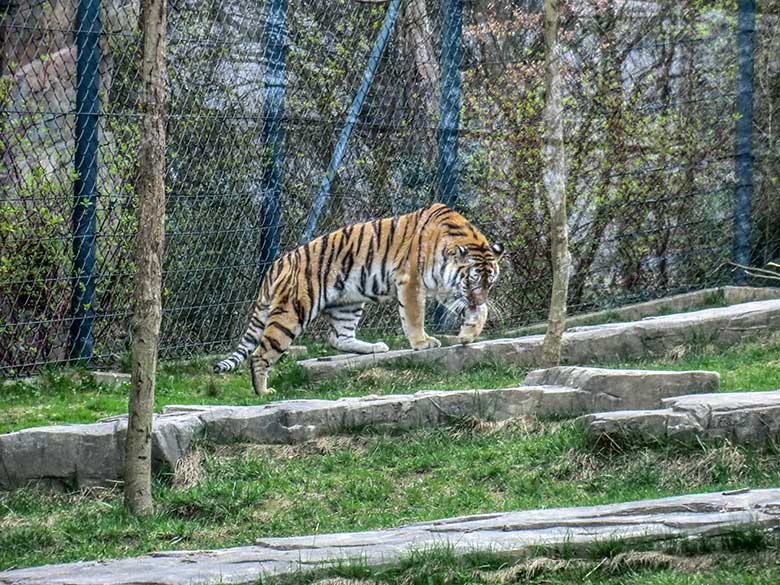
[(229, 495), (745, 367)]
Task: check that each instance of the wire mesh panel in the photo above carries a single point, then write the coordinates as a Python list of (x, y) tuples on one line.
[(285, 114)]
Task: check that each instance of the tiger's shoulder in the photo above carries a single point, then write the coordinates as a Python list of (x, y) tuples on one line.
[(455, 228)]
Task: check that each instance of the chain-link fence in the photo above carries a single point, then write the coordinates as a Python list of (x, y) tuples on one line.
[(293, 115)]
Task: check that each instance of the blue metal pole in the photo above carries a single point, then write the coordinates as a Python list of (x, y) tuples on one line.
[(449, 120), (85, 186), (273, 128), (746, 47), (352, 118)]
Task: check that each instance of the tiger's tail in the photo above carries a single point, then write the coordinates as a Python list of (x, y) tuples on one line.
[(248, 343)]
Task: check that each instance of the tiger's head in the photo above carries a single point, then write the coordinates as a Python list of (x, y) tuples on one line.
[(475, 271)]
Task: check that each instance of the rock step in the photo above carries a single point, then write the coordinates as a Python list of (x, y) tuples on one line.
[(514, 534), (608, 389), (742, 417), (730, 295), (92, 454), (723, 326)]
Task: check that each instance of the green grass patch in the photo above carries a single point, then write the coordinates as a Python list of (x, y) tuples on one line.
[(749, 366)]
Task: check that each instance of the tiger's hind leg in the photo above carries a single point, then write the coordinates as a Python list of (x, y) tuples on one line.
[(282, 328), (343, 323)]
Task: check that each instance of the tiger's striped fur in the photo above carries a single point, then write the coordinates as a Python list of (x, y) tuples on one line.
[(433, 252)]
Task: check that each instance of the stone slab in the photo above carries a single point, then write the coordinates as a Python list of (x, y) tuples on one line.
[(77, 455), (63, 456), (72, 456), (613, 389), (742, 417), (731, 295), (723, 326), (514, 534)]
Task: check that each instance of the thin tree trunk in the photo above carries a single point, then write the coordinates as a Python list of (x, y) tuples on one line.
[(149, 249), (419, 31), (555, 185)]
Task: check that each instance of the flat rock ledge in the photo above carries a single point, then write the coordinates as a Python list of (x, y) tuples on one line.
[(723, 326), (730, 295), (603, 389), (72, 456), (514, 534), (742, 417)]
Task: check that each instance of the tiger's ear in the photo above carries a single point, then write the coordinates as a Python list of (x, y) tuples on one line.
[(460, 254), (498, 250)]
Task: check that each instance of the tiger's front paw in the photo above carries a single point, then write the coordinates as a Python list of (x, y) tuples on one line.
[(466, 338), (427, 342)]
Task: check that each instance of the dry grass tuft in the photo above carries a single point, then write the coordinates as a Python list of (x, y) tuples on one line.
[(189, 470), (702, 468), (320, 446), (653, 560), (677, 353), (377, 375), (526, 570), (524, 425), (619, 564), (576, 465), (682, 351)]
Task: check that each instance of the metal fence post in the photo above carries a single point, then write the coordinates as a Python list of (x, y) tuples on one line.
[(449, 121), (273, 128), (85, 186), (354, 112), (746, 46)]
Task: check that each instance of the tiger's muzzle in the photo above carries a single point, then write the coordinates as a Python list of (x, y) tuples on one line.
[(477, 297)]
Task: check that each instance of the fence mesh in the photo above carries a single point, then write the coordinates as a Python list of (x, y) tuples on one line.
[(650, 93)]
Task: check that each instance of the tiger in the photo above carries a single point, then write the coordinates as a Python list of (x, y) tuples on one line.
[(431, 252)]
